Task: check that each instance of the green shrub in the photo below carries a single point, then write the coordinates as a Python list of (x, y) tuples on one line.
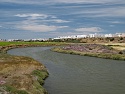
[(13, 90), (40, 73), (111, 39), (21, 92), (10, 89)]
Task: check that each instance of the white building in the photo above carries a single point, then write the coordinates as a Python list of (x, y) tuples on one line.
[(91, 35), (108, 35), (81, 36), (72, 36), (120, 34)]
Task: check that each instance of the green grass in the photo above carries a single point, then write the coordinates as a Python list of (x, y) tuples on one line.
[(14, 43), (30, 43), (13, 90), (41, 75), (38, 89), (21, 92)]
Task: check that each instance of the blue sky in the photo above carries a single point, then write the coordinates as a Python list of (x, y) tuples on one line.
[(28, 19)]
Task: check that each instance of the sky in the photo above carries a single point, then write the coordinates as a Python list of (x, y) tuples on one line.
[(29, 19)]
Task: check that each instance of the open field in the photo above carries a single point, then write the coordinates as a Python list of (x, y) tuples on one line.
[(117, 46), (30, 43)]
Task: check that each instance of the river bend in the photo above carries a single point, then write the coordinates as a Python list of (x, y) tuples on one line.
[(74, 74)]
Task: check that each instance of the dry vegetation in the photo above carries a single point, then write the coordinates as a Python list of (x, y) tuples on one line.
[(95, 50), (103, 40), (93, 40), (17, 75), (21, 75), (117, 46)]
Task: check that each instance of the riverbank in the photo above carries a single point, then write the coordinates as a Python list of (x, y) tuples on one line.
[(19, 74), (4, 46), (94, 50)]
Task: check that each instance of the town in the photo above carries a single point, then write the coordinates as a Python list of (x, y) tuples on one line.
[(92, 36), (71, 37)]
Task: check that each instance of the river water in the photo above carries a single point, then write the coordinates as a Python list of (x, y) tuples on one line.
[(74, 74)]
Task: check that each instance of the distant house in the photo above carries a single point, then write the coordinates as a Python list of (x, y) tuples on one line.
[(108, 35), (91, 35), (120, 34), (81, 36)]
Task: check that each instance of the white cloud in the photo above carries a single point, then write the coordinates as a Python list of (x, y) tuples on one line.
[(62, 1), (111, 25), (35, 24), (56, 21), (117, 11), (41, 28), (117, 22), (33, 16), (89, 29), (60, 21), (53, 17), (63, 26), (114, 11), (86, 1)]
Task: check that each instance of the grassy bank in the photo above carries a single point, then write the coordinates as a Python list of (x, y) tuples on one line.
[(118, 56), (4, 46), (21, 75), (6, 43)]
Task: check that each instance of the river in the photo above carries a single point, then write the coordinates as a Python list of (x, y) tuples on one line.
[(74, 74)]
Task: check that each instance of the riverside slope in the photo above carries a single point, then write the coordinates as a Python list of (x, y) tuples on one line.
[(21, 75), (94, 50)]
